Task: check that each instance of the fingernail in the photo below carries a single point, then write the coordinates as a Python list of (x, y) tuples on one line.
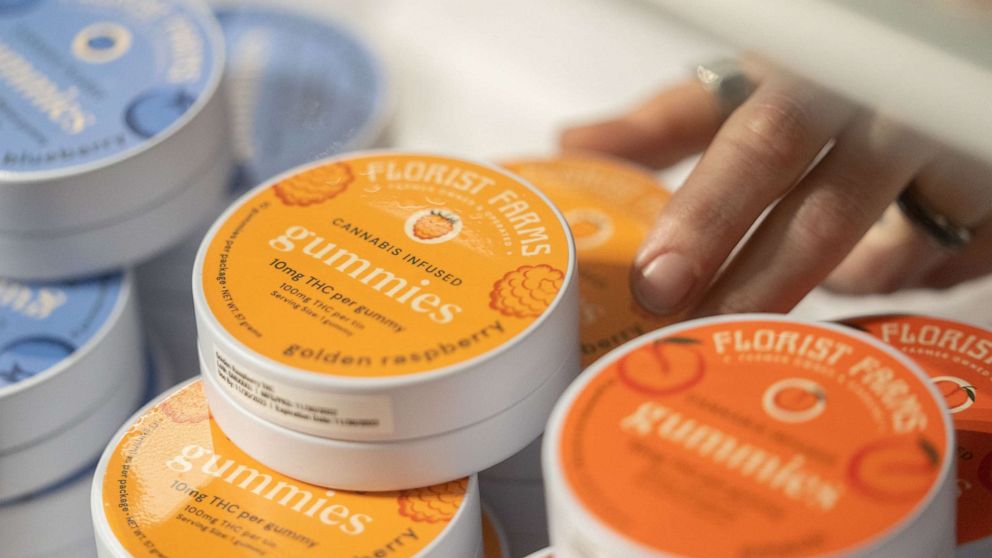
[(662, 285)]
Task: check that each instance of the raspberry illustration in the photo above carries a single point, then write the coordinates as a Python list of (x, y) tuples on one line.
[(187, 406), (434, 225), (433, 504), (315, 186), (527, 291)]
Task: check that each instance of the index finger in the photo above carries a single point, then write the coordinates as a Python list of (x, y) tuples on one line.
[(756, 157)]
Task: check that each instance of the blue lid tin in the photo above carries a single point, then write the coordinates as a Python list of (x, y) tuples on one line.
[(81, 82), (64, 347), (43, 324), (299, 90), (114, 140)]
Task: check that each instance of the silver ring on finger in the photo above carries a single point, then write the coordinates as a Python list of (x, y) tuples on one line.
[(938, 227), (727, 82)]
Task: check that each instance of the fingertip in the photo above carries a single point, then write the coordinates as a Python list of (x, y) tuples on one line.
[(662, 285)]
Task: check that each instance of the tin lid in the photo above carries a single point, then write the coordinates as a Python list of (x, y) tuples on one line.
[(299, 90), (377, 272), (26, 523), (57, 455), (748, 434), (386, 465), (42, 325), (172, 483), (610, 206), (87, 83), (958, 358), (99, 95), (68, 342)]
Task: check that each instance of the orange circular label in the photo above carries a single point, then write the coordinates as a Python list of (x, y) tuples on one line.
[(958, 357), (610, 206), (753, 438), (385, 264), (176, 486)]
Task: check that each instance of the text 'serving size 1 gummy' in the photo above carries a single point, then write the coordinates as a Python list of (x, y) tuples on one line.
[(112, 138), (958, 358), (387, 304), (751, 436), (71, 368), (172, 484)]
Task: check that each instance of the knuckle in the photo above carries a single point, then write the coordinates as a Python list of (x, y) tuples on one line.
[(777, 131), (709, 217), (830, 219)]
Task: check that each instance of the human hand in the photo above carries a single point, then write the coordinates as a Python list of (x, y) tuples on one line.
[(758, 165)]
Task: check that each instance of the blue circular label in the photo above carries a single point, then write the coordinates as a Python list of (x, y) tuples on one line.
[(82, 80), (42, 324), (299, 90)]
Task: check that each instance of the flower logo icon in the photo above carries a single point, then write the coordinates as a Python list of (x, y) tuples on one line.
[(591, 227), (102, 42), (794, 400)]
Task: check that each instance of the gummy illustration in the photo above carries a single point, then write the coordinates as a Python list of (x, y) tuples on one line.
[(527, 291), (434, 225), (432, 504), (315, 185)]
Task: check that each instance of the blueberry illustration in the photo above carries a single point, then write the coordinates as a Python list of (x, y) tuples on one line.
[(156, 110), (28, 356)]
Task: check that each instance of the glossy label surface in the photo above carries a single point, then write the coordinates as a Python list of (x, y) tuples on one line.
[(753, 438), (959, 359), (385, 265), (85, 80), (176, 486)]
